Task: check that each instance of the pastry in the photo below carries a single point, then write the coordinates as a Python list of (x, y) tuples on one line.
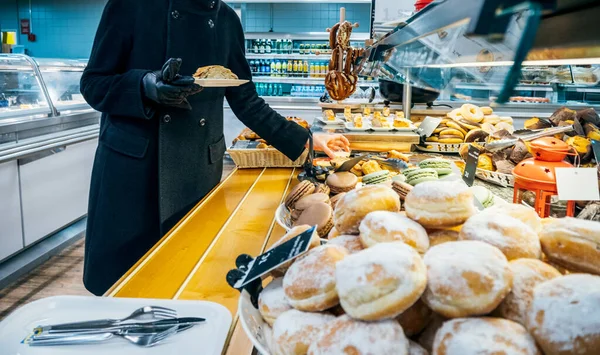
[(491, 119), (476, 135), (358, 121), (485, 162), (353, 207), (505, 166), (304, 188), (380, 282), (351, 242), (370, 167), (440, 204), (415, 319), (514, 238), (527, 273), (272, 301), (334, 200), (333, 233), (483, 336), (536, 123), (345, 335), (348, 113), (457, 127), (442, 236), (466, 278), (214, 72), (450, 140), (483, 195), (523, 213), (377, 177), (309, 283), (307, 201), (402, 123), (394, 154), (400, 114), (319, 214), (505, 126), (416, 349), (455, 114), (329, 115), (452, 133), (291, 234), (386, 111), (294, 330), (376, 121), (367, 111), (487, 110), (442, 166), (573, 243), (384, 227), (417, 175), (341, 182), (471, 113), (401, 188), (322, 188), (564, 316)]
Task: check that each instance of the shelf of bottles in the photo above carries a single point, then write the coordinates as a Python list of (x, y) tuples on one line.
[(286, 67)]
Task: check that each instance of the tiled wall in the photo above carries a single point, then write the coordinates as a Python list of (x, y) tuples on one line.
[(66, 28), (302, 17)]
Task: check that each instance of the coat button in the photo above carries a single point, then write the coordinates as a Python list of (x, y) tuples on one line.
[(202, 122), (212, 4), (167, 119), (211, 23), (175, 14)]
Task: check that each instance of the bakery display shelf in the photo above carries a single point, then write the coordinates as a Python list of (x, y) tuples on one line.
[(534, 87), (308, 36)]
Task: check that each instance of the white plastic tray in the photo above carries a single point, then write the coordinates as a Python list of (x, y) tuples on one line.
[(253, 324), (283, 217), (209, 337), (220, 83), (432, 147), (496, 177)]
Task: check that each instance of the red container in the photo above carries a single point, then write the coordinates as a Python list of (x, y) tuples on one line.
[(420, 4)]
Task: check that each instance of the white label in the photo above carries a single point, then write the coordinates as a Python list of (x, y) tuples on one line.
[(577, 184)]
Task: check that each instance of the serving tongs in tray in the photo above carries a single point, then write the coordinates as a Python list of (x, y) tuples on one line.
[(525, 135)]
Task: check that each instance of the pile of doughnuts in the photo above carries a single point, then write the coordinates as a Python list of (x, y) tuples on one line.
[(439, 278), (469, 124)]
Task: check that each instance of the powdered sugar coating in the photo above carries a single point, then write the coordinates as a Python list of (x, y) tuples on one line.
[(416, 349), (272, 301), (294, 330), (380, 282), (513, 237), (350, 242), (466, 278), (347, 336), (483, 336), (564, 316), (384, 226), (525, 214), (440, 189), (527, 273)]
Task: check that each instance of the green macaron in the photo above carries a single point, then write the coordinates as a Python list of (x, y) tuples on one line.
[(376, 177), (417, 176), (442, 166), (483, 195)]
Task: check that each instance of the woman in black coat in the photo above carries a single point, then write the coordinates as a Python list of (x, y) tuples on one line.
[(161, 139)]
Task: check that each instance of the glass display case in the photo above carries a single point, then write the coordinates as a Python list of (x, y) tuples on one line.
[(62, 78)]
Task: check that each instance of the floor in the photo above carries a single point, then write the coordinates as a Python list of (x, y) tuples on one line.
[(62, 274)]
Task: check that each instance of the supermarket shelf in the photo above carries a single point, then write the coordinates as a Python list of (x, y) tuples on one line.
[(307, 81), (499, 87), (297, 1), (309, 36), (295, 56)]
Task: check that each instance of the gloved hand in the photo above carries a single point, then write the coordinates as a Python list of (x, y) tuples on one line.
[(168, 87)]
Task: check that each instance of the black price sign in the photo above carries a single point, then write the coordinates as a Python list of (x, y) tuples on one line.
[(596, 148), (428, 125), (276, 257), (471, 165)]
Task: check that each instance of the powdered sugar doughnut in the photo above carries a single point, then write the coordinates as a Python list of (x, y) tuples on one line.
[(513, 237), (309, 283), (272, 301), (416, 349), (466, 278), (348, 336), (440, 204), (564, 316), (291, 234), (483, 336), (385, 227), (415, 319), (380, 282), (350, 242), (294, 330), (525, 214), (527, 273), (442, 236), (356, 204)]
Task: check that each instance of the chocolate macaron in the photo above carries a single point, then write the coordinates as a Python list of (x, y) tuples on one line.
[(307, 201), (401, 188), (341, 182), (319, 214), (304, 188)]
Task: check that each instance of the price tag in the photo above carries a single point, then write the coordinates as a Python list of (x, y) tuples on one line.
[(243, 144), (577, 184), (596, 148), (428, 125), (277, 256), (471, 165)]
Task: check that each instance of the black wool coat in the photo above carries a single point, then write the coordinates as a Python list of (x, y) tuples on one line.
[(150, 169)]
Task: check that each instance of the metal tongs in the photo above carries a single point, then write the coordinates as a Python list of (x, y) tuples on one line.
[(526, 136)]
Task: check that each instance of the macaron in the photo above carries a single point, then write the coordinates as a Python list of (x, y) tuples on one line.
[(442, 166), (341, 182), (415, 177), (307, 201), (322, 188), (401, 188), (304, 188), (335, 199), (319, 214), (376, 178), (483, 195)]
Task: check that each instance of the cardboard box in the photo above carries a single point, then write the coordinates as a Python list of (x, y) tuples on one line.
[(6, 48)]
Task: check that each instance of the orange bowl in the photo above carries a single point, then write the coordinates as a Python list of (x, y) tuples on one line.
[(538, 174), (549, 149)]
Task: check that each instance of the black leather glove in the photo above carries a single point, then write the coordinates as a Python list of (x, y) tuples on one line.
[(168, 87)]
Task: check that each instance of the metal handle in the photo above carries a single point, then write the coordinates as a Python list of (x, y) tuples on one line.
[(65, 142), (73, 340), (100, 323)]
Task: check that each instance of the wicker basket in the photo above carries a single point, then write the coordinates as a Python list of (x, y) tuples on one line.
[(264, 158)]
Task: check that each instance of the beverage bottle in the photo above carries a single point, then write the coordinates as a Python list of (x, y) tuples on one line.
[(280, 90), (268, 46), (290, 67), (273, 68), (261, 46), (277, 68), (305, 69), (270, 90), (277, 48), (267, 67), (312, 70), (301, 48), (283, 70), (323, 69), (295, 68)]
